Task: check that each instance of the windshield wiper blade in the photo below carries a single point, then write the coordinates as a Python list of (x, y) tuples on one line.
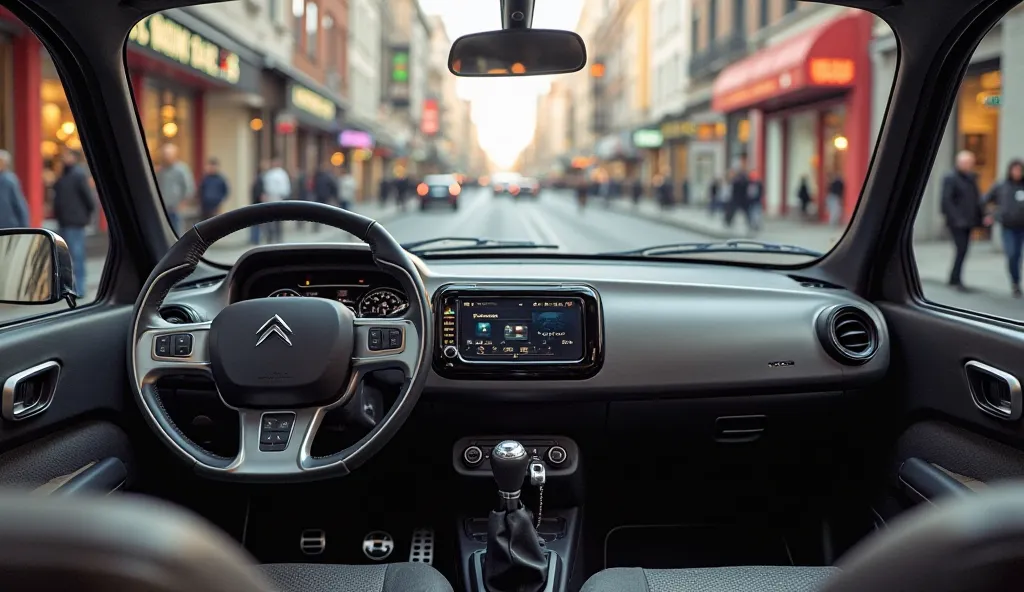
[(728, 246), (471, 244)]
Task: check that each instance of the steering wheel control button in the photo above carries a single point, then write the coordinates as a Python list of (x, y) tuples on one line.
[(376, 342), (473, 456), (557, 455), (394, 338), (182, 343), (163, 346), (274, 431)]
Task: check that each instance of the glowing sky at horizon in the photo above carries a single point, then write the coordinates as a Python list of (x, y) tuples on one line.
[(504, 109)]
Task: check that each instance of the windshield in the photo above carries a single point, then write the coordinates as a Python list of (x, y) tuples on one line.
[(708, 129)]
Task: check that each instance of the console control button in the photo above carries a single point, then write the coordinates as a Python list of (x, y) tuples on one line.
[(275, 428), (182, 343), (473, 456), (376, 342), (557, 455), (163, 346), (450, 351)]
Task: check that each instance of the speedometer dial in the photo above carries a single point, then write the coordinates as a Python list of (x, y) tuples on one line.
[(382, 302), (284, 293)]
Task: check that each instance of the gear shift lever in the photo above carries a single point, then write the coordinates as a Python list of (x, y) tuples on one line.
[(514, 561), (509, 462)]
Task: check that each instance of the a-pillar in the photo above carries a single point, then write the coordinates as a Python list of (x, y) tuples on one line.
[(28, 131)]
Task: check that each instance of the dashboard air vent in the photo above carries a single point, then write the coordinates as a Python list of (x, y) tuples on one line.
[(848, 334), (814, 283), (179, 314)]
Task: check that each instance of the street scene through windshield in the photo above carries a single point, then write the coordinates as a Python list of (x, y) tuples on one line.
[(710, 129), (675, 133)]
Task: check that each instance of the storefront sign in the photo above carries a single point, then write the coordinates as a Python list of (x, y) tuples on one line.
[(355, 139), (431, 123), (674, 130), (831, 71), (313, 103), (647, 138), (160, 34)]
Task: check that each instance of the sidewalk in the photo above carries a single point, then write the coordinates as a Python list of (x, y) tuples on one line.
[(984, 270)]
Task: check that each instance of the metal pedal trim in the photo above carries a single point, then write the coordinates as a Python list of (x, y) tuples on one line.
[(422, 548)]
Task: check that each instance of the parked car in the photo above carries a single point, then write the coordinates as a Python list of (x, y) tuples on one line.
[(439, 190)]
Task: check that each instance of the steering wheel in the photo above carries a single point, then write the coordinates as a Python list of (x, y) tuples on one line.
[(281, 363)]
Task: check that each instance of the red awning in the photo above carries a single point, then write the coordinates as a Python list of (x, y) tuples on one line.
[(825, 57)]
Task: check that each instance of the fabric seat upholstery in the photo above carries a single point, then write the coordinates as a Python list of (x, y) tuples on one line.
[(711, 579), (387, 577)]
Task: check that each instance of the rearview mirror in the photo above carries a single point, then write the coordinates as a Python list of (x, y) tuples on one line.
[(517, 52), (35, 267)]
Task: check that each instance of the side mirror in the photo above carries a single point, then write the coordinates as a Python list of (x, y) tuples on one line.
[(35, 267), (517, 52)]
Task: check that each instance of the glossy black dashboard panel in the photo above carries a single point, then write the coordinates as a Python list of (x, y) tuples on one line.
[(519, 331)]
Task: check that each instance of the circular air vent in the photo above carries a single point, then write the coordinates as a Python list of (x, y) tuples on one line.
[(179, 314), (848, 334)]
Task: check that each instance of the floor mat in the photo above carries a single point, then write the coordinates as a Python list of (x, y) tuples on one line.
[(683, 546)]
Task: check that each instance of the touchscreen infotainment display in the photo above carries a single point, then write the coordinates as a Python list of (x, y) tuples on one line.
[(521, 329)]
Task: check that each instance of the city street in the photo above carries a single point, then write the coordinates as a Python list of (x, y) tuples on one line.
[(555, 218)]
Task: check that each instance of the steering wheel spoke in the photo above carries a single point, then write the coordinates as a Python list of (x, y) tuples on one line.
[(385, 344), (172, 350)]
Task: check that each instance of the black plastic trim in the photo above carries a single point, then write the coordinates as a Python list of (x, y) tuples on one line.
[(924, 482), (105, 476)]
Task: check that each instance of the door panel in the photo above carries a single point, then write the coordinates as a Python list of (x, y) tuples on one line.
[(74, 430), (945, 427)]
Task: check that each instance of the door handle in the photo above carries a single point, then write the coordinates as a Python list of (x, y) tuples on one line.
[(994, 391), (29, 392)]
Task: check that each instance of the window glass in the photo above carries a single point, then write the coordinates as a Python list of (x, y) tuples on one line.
[(45, 180), (736, 137), (970, 226)]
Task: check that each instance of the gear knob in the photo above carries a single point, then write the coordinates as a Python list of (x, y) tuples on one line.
[(509, 462)]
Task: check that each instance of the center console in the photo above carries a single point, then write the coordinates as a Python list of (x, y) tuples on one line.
[(535, 477), (518, 331)]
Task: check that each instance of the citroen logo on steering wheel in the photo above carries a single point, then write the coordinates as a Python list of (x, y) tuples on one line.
[(274, 326)]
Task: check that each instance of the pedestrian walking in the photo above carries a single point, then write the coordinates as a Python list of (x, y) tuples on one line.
[(803, 194), (755, 202), (176, 182), (213, 189), (961, 206), (834, 200), (256, 196), (277, 186), (13, 208), (74, 203), (1008, 198), (346, 188)]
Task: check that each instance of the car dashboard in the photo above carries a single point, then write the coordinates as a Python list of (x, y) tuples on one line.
[(646, 329)]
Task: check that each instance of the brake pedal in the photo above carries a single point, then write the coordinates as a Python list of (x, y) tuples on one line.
[(313, 541), (422, 548), (378, 545)]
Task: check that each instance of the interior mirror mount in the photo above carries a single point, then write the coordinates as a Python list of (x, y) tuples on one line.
[(516, 14), (36, 268), (517, 52)]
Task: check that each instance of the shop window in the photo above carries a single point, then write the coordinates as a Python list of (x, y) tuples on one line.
[(43, 159), (983, 236)]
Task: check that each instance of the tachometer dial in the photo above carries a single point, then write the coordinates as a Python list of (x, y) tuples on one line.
[(382, 302), (284, 293)]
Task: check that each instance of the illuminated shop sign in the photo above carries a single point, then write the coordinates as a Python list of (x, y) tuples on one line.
[(398, 86), (355, 139), (831, 71), (180, 44), (313, 103), (647, 138), (431, 123)]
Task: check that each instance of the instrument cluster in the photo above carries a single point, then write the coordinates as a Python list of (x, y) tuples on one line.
[(368, 293)]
